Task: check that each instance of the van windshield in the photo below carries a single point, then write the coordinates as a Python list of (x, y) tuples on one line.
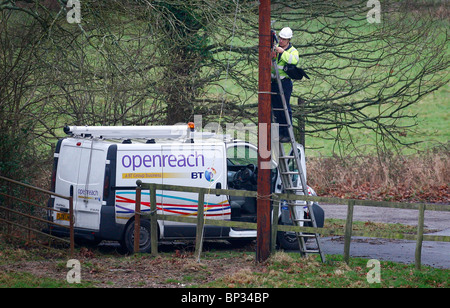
[(242, 155)]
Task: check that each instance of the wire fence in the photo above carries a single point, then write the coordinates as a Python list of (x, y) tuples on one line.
[(25, 214)]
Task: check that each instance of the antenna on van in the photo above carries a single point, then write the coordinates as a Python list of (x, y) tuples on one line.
[(133, 132)]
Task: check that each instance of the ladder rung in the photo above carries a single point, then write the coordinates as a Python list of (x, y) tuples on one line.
[(303, 219), (296, 191), (290, 172), (278, 109), (287, 157), (294, 188), (294, 204), (307, 235), (310, 250)]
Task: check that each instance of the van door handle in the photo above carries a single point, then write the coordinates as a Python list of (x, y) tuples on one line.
[(218, 186)]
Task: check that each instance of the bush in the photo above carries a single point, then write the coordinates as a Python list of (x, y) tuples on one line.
[(420, 177)]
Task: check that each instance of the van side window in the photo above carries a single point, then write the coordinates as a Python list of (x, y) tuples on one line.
[(242, 155)]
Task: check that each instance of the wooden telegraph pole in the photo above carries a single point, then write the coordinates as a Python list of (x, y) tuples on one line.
[(264, 125)]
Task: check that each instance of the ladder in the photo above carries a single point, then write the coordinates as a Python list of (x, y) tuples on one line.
[(287, 179)]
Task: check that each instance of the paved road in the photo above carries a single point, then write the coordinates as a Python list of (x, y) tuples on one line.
[(436, 254)]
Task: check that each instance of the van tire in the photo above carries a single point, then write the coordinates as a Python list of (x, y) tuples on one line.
[(287, 240), (145, 237)]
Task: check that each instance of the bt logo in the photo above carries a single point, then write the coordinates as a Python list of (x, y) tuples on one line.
[(208, 174)]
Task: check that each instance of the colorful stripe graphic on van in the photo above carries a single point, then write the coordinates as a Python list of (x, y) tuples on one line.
[(125, 204)]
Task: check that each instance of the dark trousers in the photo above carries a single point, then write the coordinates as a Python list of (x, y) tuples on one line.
[(277, 103)]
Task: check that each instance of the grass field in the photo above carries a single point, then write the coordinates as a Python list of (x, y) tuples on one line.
[(282, 270), (219, 267), (433, 129), (289, 270)]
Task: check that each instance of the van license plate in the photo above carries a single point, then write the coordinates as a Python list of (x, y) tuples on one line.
[(62, 216)]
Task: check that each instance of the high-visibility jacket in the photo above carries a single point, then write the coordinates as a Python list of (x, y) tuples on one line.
[(289, 56)]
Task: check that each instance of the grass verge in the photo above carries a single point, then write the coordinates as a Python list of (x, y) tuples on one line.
[(220, 267), (370, 226), (289, 270)]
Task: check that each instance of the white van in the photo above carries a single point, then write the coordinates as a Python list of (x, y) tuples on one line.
[(99, 166)]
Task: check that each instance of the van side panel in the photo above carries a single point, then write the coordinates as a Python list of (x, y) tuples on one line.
[(194, 165)]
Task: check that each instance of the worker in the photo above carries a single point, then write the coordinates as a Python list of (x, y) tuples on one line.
[(285, 54)]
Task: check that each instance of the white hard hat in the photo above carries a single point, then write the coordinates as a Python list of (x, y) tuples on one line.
[(286, 33)]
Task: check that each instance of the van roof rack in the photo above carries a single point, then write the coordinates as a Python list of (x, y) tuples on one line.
[(132, 132)]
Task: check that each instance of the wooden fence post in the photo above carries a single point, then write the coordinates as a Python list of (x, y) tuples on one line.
[(137, 219), (348, 230), (153, 221), (200, 223), (420, 225)]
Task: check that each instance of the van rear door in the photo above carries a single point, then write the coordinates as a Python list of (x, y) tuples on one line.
[(81, 168)]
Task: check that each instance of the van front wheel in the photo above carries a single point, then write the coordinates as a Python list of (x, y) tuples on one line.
[(144, 237), (287, 240)]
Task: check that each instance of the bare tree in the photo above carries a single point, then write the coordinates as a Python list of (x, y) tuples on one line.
[(134, 62), (192, 38), (366, 74), (20, 93)]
